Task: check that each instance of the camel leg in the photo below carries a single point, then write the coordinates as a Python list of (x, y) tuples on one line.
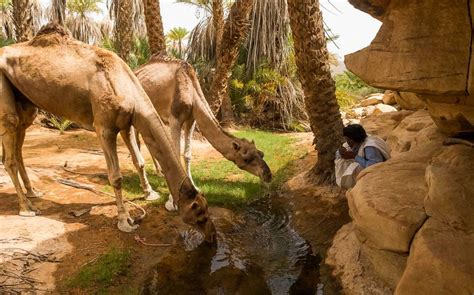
[(158, 169), (188, 136), (12, 166), (137, 158), (31, 192), (108, 140), (175, 130)]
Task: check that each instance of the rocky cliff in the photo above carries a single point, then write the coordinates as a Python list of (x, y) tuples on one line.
[(423, 47), (413, 216)]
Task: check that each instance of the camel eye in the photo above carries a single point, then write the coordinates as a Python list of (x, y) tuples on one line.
[(247, 161)]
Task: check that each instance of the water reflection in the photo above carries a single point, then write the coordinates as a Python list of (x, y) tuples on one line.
[(258, 253)]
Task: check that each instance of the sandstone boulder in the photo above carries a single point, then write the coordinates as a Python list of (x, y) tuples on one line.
[(386, 214), (450, 179), (375, 8), (409, 101), (384, 108), (383, 124), (387, 265), (423, 46), (441, 261), (389, 97), (372, 100), (403, 136), (452, 119)]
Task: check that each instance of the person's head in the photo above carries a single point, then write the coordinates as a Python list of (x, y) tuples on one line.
[(355, 134)]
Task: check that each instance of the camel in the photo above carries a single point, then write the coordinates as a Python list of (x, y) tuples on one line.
[(176, 94), (96, 89)]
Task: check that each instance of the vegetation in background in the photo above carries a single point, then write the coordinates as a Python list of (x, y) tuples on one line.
[(101, 274), (175, 38), (222, 182), (58, 123), (350, 89)]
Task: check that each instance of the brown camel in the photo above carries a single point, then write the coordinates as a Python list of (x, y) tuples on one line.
[(176, 94), (96, 89)]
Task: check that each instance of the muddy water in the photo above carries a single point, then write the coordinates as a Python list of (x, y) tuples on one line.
[(258, 252)]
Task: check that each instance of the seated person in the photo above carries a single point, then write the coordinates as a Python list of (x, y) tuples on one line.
[(359, 152)]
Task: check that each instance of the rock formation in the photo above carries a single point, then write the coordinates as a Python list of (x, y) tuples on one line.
[(413, 215), (426, 48)]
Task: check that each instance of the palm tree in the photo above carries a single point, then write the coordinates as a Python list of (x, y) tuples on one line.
[(82, 26), (177, 35), (154, 26), (319, 88), (27, 16), (128, 24), (57, 11), (235, 32), (6, 21), (218, 22)]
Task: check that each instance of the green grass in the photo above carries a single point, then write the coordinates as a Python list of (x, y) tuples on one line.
[(222, 182), (101, 274)]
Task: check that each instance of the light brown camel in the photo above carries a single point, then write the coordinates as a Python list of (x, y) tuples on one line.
[(176, 94), (96, 89)]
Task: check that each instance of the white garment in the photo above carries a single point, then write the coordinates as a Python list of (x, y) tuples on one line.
[(347, 169)]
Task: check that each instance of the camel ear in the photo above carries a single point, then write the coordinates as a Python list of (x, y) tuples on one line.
[(236, 145), (253, 142)]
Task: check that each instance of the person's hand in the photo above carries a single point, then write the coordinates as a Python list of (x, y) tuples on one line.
[(345, 154)]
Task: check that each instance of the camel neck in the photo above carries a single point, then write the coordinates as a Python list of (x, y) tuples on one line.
[(212, 130), (158, 140)]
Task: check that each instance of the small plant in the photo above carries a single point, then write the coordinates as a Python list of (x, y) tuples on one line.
[(59, 123), (103, 272)]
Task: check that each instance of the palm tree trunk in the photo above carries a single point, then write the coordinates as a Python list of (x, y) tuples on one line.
[(319, 88), (218, 22), (22, 19), (235, 31), (123, 31), (59, 11), (154, 27)]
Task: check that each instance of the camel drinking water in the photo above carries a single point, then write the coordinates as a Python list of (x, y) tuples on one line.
[(96, 89)]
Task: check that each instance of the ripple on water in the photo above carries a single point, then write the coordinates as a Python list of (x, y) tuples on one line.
[(260, 253)]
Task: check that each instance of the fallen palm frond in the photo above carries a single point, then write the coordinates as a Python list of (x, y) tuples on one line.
[(16, 265)]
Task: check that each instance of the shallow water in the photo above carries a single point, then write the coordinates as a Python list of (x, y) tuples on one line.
[(258, 253)]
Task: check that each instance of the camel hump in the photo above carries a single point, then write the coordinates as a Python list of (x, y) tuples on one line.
[(50, 34)]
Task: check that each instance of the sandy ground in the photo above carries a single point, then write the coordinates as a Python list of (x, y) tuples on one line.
[(50, 248)]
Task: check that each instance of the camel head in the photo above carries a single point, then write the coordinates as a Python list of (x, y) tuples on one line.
[(247, 157), (193, 209)]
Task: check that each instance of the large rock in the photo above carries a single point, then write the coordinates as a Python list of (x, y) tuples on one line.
[(441, 261), (387, 214), (409, 101), (452, 119), (375, 8), (384, 108), (450, 179), (403, 136), (387, 265), (371, 100), (389, 97), (383, 124), (423, 46)]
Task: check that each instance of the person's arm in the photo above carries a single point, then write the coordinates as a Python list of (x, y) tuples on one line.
[(372, 156)]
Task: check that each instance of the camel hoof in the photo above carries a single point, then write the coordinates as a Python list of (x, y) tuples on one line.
[(169, 205), (124, 225), (27, 213), (152, 196)]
